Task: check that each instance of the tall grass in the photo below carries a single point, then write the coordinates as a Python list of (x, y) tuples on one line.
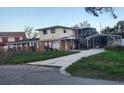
[(5, 56), (24, 57), (107, 65)]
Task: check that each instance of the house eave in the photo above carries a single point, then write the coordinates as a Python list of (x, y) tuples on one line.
[(51, 27)]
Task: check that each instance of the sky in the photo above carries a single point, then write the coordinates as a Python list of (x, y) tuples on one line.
[(15, 18)]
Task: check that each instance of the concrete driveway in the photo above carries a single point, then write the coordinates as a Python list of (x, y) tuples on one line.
[(39, 75), (65, 61)]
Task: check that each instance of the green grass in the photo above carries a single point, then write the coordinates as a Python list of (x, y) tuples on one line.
[(24, 57), (107, 65)]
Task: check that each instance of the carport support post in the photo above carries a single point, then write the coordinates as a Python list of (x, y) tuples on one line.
[(37, 45), (120, 40), (73, 44), (87, 44), (65, 44), (93, 43)]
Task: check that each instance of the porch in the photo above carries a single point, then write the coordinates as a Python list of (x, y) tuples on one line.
[(25, 45), (59, 44)]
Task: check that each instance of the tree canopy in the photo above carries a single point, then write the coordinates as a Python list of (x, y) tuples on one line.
[(117, 29), (96, 11)]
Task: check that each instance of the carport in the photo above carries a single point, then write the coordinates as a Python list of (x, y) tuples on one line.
[(102, 40)]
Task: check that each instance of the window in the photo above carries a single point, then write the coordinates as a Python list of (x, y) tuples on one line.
[(20, 38), (11, 39), (44, 32), (1, 40), (64, 31), (79, 32), (52, 30)]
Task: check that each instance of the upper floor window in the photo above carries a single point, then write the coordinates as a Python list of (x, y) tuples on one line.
[(1, 40), (44, 32), (52, 30), (11, 39), (64, 31)]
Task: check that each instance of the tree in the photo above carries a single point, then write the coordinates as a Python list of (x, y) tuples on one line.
[(108, 30), (82, 25), (96, 11), (35, 34), (120, 28), (76, 26), (28, 32)]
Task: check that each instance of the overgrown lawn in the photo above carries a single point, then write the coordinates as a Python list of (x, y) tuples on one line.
[(24, 57), (107, 65)]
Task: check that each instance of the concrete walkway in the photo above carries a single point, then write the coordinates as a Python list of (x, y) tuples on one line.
[(65, 61)]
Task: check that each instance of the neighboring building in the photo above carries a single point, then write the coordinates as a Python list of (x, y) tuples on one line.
[(57, 37), (25, 45), (6, 37), (82, 34)]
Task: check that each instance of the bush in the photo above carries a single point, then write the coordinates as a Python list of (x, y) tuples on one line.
[(116, 48)]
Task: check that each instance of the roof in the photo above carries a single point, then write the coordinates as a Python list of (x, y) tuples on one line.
[(84, 28), (12, 34), (57, 26), (33, 39), (109, 35), (63, 38)]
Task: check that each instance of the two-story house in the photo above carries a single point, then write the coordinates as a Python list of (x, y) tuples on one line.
[(6, 37), (57, 37)]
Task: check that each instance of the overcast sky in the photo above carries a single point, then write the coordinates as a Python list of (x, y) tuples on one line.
[(14, 19)]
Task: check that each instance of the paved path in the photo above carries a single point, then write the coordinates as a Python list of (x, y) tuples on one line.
[(39, 75), (65, 61)]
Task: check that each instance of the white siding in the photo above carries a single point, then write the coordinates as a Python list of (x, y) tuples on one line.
[(56, 45), (59, 33)]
